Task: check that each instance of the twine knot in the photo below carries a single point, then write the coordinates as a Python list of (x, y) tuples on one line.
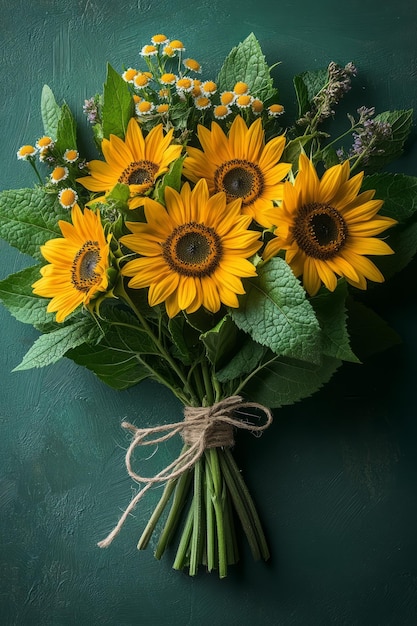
[(202, 428)]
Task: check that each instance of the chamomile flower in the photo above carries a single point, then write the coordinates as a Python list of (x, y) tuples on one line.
[(129, 74), (209, 87), (162, 108), (144, 107), (25, 152), (257, 106), (244, 101), (141, 80), (159, 40), (70, 155), (44, 143), (67, 198), (221, 111), (184, 85), (177, 45), (241, 88), (168, 51), (227, 97), (275, 110), (193, 65), (202, 103), (59, 174), (149, 51), (168, 78)]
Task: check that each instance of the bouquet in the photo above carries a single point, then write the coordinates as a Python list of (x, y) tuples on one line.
[(215, 247)]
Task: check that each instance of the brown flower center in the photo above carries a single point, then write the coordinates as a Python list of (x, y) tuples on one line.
[(239, 179), (139, 173), (83, 274), (319, 230), (193, 250)]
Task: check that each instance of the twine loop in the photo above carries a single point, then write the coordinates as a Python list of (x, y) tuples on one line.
[(202, 428)]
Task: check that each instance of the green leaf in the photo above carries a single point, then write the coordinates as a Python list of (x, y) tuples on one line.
[(220, 341), (118, 106), (29, 218), (391, 148), (66, 136), (245, 361), (370, 334), (398, 191), (51, 112), (246, 63), (294, 148), (171, 179), (51, 347), (276, 313), (17, 296), (307, 85), (285, 381), (117, 358), (185, 338), (331, 312)]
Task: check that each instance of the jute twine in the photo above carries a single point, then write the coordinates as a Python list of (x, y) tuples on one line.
[(202, 428)]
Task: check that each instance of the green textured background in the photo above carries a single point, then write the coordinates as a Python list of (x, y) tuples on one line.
[(334, 477)]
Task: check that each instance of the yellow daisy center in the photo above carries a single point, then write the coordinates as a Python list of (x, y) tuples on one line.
[(239, 179), (193, 249), (319, 230), (139, 173), (83, 274)]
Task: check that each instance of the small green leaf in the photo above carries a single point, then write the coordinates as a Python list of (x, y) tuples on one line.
[(171, 179), (51, 347), (51, 112), (246, 63), (391, 148), (118, 106), (66, 136), (185, 339), (276, 313), (307, 85), (285, 381), (17, 296), (28, 218), (220, 341), (244, 361), (294, 148)]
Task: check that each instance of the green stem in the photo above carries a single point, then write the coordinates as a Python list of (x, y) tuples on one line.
[(217, 478), (210, 522), (245, 506), (183, 547), (158, 344), (198, 523), (159, 509), (172, 521)]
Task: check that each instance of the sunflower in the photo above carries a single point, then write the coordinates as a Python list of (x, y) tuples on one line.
[(241, 165), (136, 161), (193, 253), (78, 264), (326, 227)]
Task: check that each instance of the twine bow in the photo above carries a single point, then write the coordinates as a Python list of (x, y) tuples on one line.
[(202, 428)]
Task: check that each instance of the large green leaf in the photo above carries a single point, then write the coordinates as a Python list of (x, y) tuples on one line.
[(118, 106), (398, 191), (246, 62), (285, 381), (51, 347), (331, 313), (28, 218), (17, 296), (276, 313)]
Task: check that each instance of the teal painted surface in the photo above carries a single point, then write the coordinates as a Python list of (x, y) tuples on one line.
[(334, 478)]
